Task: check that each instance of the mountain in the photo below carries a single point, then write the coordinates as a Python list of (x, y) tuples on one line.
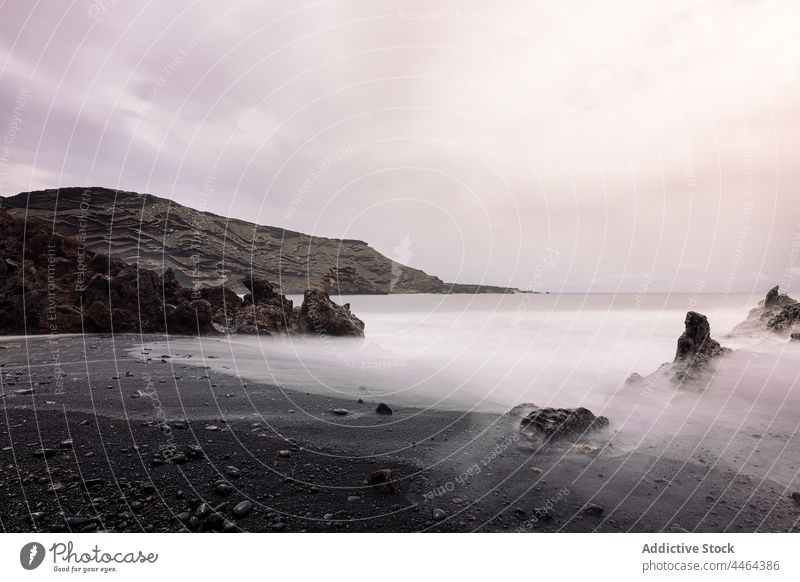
[(205, 249)]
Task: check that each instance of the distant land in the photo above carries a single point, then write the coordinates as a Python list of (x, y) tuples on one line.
[(207, 249)]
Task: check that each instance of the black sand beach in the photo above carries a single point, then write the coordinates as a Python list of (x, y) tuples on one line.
[(88, 428)]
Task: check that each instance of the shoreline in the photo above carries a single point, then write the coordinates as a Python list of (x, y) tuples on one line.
[(307, 470)]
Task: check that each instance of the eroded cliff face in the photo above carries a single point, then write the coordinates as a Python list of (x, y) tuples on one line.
[(204, 249), (51, 283)]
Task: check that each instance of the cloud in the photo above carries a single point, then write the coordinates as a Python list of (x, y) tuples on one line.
[(632, 138)]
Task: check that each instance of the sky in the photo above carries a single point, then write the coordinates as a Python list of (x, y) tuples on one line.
[(562, 146)]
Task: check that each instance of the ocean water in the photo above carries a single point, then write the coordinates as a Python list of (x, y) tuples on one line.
[(490, 352), (485, 351)]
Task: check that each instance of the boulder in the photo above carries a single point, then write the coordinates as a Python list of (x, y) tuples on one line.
[(557, 424), (191, 318), (321, 316)]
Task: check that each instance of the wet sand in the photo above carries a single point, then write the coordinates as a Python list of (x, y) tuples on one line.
[(109, 418)]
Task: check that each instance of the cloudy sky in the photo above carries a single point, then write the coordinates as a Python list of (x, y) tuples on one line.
[(559, 145)]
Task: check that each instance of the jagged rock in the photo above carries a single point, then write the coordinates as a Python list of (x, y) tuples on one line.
[(696, 348), (191, 318), (777, 313), (555, 424), (696, 343), (785, 319), (264, 319), (264, 311), (320, 315), (695, 354)]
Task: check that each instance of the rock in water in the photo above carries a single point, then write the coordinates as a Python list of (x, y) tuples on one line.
[(555, 424), (320, 315), (696, 348), (778, 313), (382, 481)]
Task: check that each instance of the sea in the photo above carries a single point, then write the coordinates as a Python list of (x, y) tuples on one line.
[(488, 353)]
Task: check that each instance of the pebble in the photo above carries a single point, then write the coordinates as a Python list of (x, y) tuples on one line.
[(203, 510), (44, 453), (178, 459), (212, 427), (223, 488), (592, 509), (79, 522), (341, 411), (439, 514), (232, 471), (284, 453), (243, 508)]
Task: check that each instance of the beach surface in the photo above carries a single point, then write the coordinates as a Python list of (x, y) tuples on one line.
[(100, 434)]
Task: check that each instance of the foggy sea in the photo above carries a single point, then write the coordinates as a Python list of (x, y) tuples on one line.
[(488, 353)]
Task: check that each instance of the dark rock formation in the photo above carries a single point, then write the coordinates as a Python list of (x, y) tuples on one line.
[(558, 424), (696, 352), (777, 313), (264, 311), (50, 283), (207, 250), (319, 315), (695, 346), (384, 409)]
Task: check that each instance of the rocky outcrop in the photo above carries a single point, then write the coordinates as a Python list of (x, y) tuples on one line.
[(695, 354), (777, 313), (52, 284), (206, 250), (319, 315), (696, 347), (561, 424)]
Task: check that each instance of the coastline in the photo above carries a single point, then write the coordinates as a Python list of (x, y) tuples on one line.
[(452, 471)]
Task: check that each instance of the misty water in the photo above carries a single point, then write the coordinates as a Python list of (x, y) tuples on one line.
[(489, 352)]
